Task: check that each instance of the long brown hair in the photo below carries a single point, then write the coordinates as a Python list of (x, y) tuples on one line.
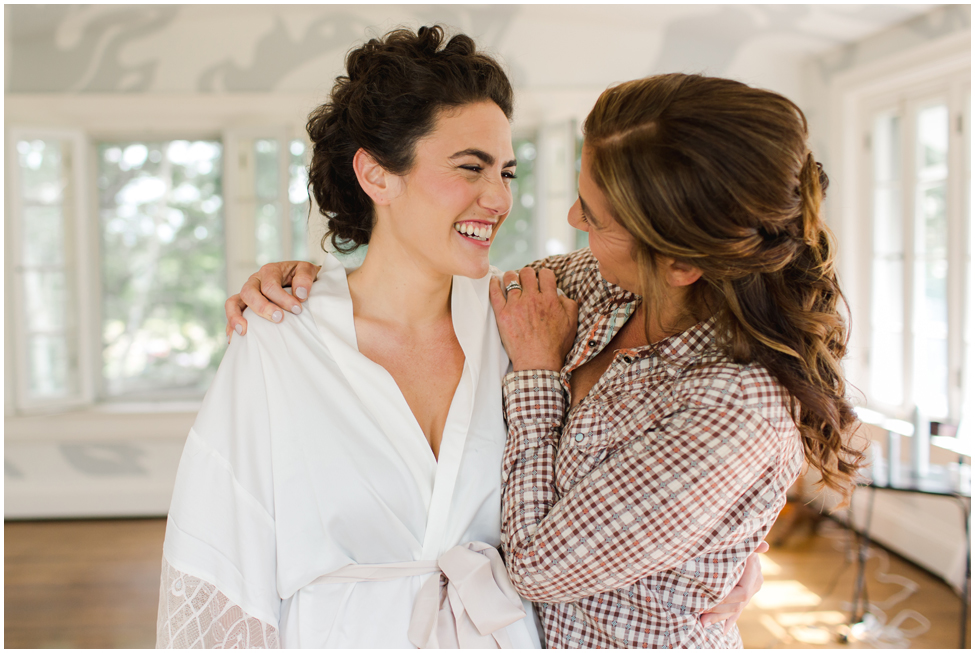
[(716, 174)]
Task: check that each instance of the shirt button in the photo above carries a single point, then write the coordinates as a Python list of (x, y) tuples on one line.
[(593, 343), (579, 437)]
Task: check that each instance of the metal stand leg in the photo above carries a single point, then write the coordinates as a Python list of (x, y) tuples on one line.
[(967, 583), (863, 541)]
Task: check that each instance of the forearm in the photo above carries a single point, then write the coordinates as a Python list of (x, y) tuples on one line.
[(642, 510), (535, 406), (196, 614)]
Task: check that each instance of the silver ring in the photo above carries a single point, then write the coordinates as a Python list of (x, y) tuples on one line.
[(511, 286)]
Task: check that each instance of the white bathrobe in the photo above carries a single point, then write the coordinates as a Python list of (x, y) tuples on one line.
[(305, 459)]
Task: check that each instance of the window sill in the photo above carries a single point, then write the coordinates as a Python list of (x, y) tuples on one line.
[(105, 423)]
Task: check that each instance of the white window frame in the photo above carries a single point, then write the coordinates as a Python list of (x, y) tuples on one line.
[(79, 274), (83, 121), (240, 202), (938, 69)]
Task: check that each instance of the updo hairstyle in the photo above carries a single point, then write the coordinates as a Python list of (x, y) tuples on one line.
[(394, 90), (718, 175)]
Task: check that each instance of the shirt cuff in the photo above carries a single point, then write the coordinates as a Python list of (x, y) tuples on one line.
[(535, 396)]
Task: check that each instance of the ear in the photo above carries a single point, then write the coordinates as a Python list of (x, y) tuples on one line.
[(678, 273), (379, 184)]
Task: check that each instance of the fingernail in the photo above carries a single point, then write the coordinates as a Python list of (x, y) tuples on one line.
[(301, 293), (239, 329), (296, 309), (277, 316)]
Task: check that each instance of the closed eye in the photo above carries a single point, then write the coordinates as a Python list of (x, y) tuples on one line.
[(506, 174)]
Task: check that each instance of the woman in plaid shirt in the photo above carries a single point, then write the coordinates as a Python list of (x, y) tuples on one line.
[(641, 473)]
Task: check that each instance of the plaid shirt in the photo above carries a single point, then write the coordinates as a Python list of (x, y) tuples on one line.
[(634, 514)]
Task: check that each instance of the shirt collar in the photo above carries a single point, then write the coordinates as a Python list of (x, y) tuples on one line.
[(610, 296), (687, 345)]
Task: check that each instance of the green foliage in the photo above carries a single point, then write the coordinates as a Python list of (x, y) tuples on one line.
[(163, 271)]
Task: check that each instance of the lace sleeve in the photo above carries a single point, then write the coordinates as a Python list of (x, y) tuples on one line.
[(195, 614)]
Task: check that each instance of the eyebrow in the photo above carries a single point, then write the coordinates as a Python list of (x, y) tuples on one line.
[(483, 156), (587, 211)]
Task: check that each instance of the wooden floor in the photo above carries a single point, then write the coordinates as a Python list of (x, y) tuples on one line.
[(88, 584), (82, 584)]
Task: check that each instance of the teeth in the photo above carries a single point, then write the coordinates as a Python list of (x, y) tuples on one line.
[(479, 232)]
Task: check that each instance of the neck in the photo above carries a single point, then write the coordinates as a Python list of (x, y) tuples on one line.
[(672, 316), (393, 289)]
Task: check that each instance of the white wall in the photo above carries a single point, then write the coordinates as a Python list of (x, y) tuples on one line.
[(928, 530)]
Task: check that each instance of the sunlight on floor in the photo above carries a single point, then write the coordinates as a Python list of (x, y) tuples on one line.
[(769, 568), (784, 594)]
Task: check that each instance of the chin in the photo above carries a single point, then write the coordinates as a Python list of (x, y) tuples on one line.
[(472, 268), (475, 270)]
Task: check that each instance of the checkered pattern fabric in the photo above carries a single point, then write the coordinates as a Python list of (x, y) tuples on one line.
[(633, 514)]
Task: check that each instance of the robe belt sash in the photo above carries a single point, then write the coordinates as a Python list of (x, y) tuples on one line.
[(467, 605)]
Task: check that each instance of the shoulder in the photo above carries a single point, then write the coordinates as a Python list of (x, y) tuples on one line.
[(716, 381), (577, 273), (265, 335)]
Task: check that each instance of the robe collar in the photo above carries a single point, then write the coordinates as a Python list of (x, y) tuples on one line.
[(331, 305)]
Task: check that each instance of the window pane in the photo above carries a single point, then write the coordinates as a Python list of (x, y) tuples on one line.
[(43, 229), (932, 142), (931, 263), (46, 299), (298, 199), (41, 171), (886, 148), (887, 286), (267, 221), (267, 232), (582, 237), (887, 305), (887, 371), (514, 244), (887, 337), (888, 227), (968, 369), (43, 275), (51, 367), (266, 168), (163, 279)]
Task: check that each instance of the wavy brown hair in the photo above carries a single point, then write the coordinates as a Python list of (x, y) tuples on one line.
[(717, 174), (394, 89)]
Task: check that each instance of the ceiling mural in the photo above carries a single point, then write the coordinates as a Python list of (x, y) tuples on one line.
[(266, 48)]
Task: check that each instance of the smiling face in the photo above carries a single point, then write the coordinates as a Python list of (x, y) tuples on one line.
[(449, 206), (611, 244)]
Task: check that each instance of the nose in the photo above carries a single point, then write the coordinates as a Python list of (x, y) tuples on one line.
[(496, 198), (575, 217)]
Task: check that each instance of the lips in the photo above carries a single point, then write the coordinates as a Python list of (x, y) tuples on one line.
[(480, 231)]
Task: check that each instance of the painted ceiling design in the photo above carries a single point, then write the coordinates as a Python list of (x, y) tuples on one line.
[(266, 48)]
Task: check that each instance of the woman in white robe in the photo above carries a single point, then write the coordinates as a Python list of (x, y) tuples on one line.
[(322, 500), (305, 458)]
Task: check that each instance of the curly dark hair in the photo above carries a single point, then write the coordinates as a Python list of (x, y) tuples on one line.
[(394, 90)]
